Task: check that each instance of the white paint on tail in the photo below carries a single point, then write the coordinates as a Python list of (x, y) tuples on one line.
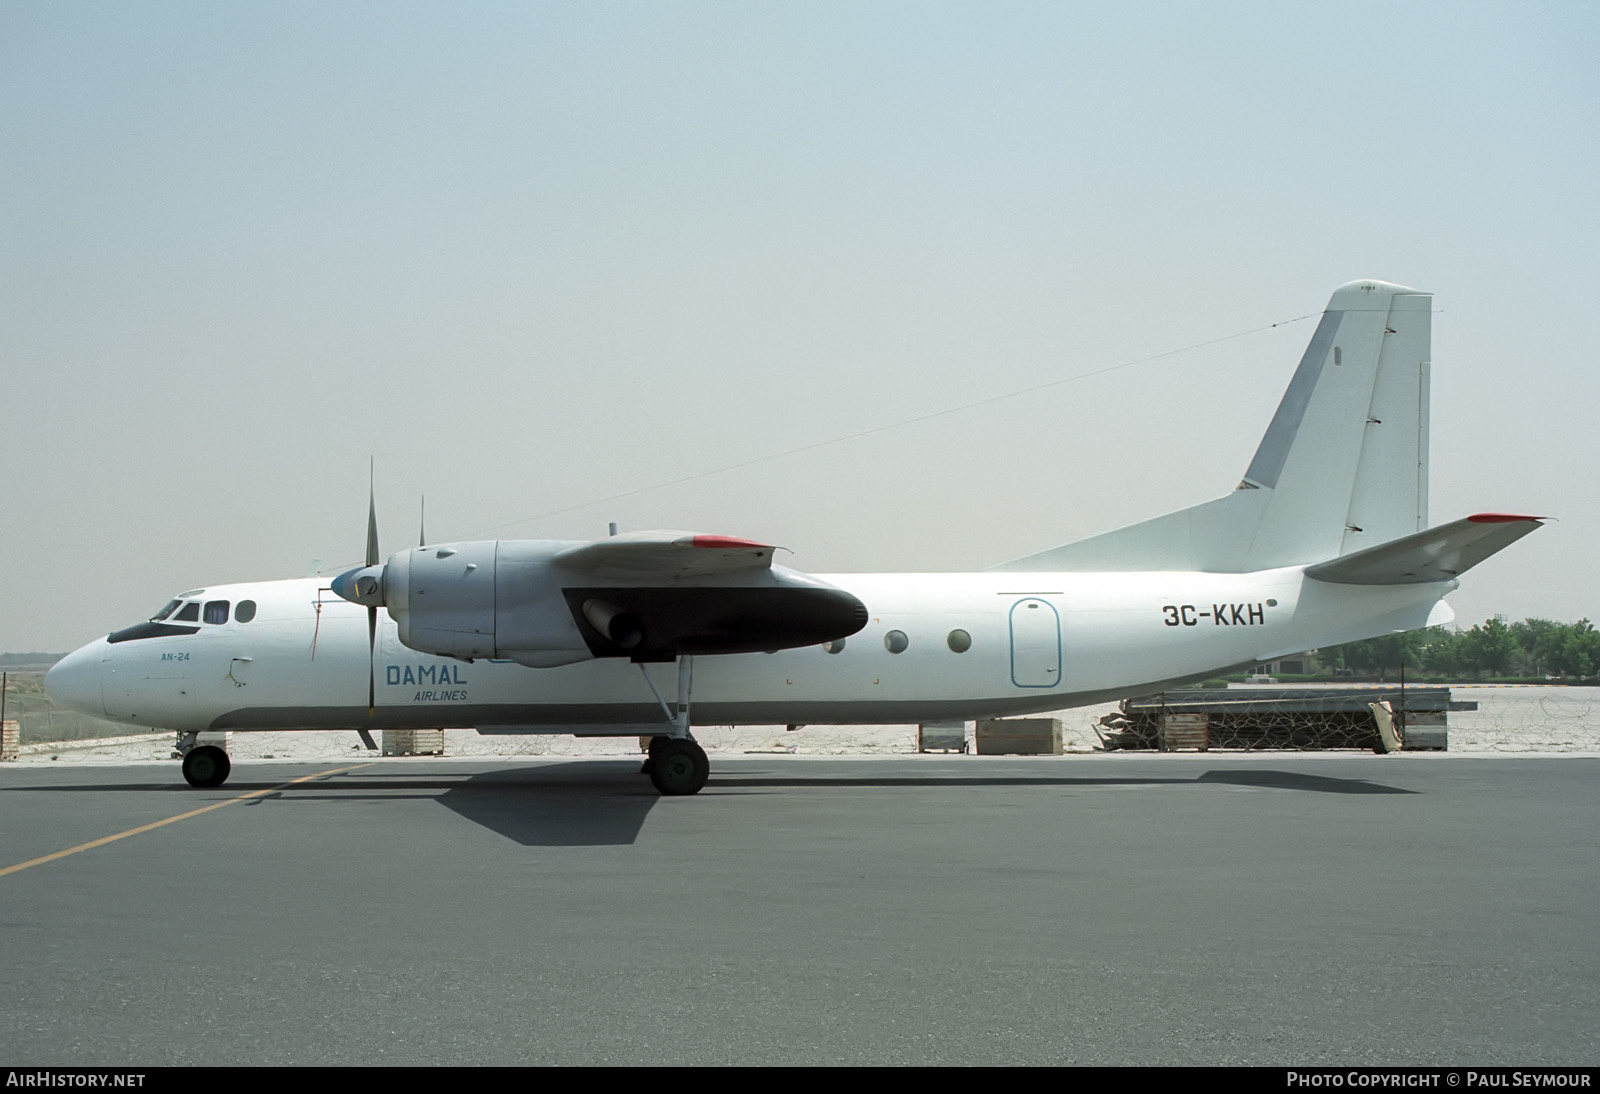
[(1342, 467)]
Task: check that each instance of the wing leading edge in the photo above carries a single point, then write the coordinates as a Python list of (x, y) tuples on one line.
[(667, 555)]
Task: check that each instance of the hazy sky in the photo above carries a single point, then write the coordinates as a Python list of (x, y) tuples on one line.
[(531, 256)]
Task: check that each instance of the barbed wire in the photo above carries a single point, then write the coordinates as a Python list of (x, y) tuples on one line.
[(1505, 719)]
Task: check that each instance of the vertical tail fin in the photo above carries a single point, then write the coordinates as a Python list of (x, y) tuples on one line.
[(1343, 465)]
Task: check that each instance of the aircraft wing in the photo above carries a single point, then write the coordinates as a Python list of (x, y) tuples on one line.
[(667, 555), (1438, 554), (653, 596)]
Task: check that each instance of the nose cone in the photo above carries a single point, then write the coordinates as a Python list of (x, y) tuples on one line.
[(74, 681), (363, 585)]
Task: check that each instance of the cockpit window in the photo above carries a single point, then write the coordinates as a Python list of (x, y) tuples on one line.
[(164, 612), (216, 611), (245, 612), (189, 613)]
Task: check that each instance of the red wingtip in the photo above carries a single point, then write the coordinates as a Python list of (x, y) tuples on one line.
[(1500, 518), (728, 541)]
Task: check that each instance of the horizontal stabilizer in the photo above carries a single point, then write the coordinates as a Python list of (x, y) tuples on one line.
[(1438, 554), (667, 555)]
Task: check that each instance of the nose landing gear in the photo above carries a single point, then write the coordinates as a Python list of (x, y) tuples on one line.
[(204, 766)]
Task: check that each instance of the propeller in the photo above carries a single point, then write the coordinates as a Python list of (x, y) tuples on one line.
[(364, 586), (372, 609)]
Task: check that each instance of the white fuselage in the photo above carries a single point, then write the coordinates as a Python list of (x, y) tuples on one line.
[(1036, 641)]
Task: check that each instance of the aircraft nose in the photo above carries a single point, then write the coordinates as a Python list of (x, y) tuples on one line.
[(74, 681)]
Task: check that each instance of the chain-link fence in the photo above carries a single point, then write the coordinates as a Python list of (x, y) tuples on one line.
[(1479, 718), (1271, 718), (1463, 718), (41, 721), (1526, 719)]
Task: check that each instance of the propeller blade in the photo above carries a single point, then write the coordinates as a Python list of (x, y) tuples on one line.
[(422, 524), (372, 610), (372, 662), (372, 523)]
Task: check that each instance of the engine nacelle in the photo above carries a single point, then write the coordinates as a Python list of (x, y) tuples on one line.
[(514, 599), (621, 628)]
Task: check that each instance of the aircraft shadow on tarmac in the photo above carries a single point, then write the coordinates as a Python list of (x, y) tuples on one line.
[(605, 804), (549, 805), (586, 804), (594, 804), (598, 804), (1267, 779), (559, 805), (1296, 780)]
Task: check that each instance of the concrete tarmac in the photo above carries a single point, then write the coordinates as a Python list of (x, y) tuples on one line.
[(1125, 909)]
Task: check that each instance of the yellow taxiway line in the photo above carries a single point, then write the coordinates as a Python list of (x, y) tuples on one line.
[(103, 840)]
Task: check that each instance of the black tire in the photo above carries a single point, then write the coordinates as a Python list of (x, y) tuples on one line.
[(679, 766), (206, 767), (650, 757)]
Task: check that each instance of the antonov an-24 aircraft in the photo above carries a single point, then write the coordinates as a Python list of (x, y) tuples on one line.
[(1324, 540)]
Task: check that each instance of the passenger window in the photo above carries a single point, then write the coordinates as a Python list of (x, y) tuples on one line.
[(245, 612), (216, 611), (835, 646), (896, 641), (189, 613), (959, 641)]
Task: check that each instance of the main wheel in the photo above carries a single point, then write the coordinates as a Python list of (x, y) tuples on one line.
[(650, 758), (206, 766), (678, 766)]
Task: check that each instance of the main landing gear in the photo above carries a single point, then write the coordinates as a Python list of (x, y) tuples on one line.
[(677, 764), (204, 766)]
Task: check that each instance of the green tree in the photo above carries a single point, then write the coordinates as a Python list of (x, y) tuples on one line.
[(1489, 648), (1441, 653), (1537, 638), (1386, 653), (1532, 647), (1574, 650)]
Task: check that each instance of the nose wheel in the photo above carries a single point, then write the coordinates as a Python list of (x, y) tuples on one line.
[(207, 766)]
